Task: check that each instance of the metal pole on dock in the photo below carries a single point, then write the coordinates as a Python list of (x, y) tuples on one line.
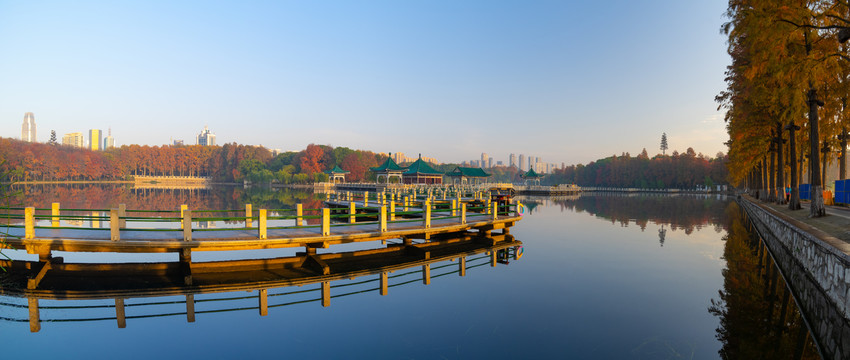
[(427, 214), (463, 213), (382, 219), (352, 210)]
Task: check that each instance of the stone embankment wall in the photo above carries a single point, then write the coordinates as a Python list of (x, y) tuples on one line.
[(818, 271)]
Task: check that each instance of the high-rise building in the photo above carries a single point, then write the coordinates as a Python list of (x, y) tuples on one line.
[(206, 138), (108, 141), (521, 162), (28, 128), (74, 139), (95, 139), (490, 162), (484, 159), (512, 160)]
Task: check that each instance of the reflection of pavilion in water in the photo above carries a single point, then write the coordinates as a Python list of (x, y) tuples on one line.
[(131, 285)]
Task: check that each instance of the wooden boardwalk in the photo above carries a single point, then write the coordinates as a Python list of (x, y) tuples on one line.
[(430, 222)]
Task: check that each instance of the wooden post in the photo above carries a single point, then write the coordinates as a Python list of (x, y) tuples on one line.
[(382, 221), (190, 308), (454, 208), (495, 210), (426, 274), (183, 208), (55, 213), (493, 258), (326, 221), (462, 266), (119, 313), (122, 212), (29, 223), (384, 283), (427, 214), (248, 215), (326, 294), (264, 302), (187, 225), (299, 212), (263, 229), (35, 319), (114, 225), (406, 203), (365, 199), (352, 210), (392, 210), (488, 206), (463, 213)]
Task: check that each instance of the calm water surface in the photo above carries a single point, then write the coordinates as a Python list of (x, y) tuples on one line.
[(602, 277)]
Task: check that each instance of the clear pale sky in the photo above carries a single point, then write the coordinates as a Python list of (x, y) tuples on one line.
[(568, 81)]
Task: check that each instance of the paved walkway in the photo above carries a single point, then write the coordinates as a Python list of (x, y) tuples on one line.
[(835, 223)]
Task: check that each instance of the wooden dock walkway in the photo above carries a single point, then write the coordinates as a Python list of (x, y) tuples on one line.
[(428, 220)]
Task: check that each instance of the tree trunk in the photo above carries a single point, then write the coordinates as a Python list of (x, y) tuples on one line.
[(771, 180), (842, 166), (817, 208), (780, 166), (764, 176), (794, 201)]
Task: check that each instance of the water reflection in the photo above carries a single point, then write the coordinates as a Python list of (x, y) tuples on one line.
[(148, 290), (759, 317)]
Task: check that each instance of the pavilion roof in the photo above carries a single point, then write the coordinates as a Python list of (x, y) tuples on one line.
[(531, 174), (336, 170), (421, 167), (468, 172), (388, 165)]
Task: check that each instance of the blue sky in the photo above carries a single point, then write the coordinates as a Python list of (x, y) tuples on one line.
[(568, 81)]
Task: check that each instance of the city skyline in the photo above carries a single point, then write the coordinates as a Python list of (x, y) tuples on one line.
[(367, 76)]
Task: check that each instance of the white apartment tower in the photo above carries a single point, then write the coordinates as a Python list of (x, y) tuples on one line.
[(28, 128)]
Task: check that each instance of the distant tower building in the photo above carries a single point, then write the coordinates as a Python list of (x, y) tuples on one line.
[(490, 162), (108, 141), (28, 128), (95, 139), (521, 162), (74, 139), (206, 138), (512, 160), (484, 159)]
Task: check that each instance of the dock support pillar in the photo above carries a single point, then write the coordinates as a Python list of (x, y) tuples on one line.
[(263, 225), (54, 211), (326, 294), (463, 213), (406, 240), (190, 308), (382, 221), (187, 225), (264, 302), (35, 319), (299, 212), (352, 210), (326, 221), (122, 212), (249, 220), (119, 313), (384, 283), (114, 225), (183, 208), (462, 266), (29, 223), (427, 214), (426, 274)]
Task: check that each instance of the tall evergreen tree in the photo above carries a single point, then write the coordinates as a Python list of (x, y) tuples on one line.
[(664, 144)]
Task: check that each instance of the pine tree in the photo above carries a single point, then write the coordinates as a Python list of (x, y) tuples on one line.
[(664, 143), (52, 140)]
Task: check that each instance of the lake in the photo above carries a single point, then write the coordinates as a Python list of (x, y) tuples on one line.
[(600, 276)]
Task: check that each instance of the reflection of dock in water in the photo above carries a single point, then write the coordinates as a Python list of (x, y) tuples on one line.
[(268, 277)]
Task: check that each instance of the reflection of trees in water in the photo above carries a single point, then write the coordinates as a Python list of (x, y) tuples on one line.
[(680, 212), (758, 319), (100, 196)]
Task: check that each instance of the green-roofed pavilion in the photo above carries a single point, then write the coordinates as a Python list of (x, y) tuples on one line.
[(421, 173), (388, 170), (467, 175), (336, 173), (532, 175)]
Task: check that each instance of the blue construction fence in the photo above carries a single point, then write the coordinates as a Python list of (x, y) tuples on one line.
[(842, 191), (805, 191)]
